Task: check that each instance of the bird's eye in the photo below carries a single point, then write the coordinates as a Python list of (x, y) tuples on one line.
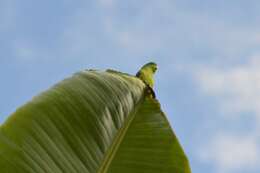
[(154, 69)]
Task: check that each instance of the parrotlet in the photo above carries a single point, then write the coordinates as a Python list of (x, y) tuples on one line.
[(146, 74)]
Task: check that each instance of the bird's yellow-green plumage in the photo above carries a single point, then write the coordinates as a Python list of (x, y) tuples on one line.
[(146, 73)]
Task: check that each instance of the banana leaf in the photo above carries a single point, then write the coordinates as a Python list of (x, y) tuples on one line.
[(91, 122)]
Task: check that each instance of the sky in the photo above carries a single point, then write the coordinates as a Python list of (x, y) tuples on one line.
[(208, 80)]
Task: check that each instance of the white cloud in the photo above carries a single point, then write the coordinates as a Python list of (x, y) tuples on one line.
[(134, 27), (23, 50), (26, 51), (230, 153), (236, 88), (237, 91)]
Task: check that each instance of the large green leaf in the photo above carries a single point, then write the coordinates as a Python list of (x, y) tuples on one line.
[(92, 122)]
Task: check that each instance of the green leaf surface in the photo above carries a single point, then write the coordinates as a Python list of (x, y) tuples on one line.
[(92, 122)]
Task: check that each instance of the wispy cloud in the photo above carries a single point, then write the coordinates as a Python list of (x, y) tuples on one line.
[(231, 153), (237, 92), (24, 51), (237, 88), (136, 29)]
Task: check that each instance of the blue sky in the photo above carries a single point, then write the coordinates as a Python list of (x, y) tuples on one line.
[(208, 54)]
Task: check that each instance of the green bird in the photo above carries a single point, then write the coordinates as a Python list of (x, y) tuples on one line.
[(146, 74)]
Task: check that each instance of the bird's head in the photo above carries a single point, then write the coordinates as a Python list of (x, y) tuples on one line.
[(150, 66)]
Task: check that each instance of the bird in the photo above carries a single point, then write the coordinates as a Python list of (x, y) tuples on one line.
[(146, 74)]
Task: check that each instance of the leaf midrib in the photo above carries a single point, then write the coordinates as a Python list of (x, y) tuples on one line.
[(109, 156)]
